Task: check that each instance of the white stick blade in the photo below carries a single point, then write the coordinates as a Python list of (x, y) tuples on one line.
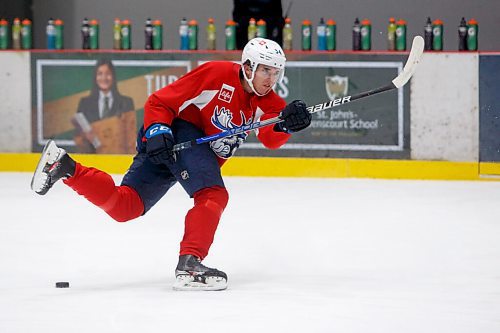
[(417, 48)]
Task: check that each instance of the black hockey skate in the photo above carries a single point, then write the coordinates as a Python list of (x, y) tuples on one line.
[(191, 274), (54, 164)]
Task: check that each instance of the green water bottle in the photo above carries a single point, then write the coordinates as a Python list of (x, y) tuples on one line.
[(94, 34), (331, 32), (26, 34), (287, 35), (401, 35), (366, 35), (437, 35), (126, 35), (472, 32), (211, 35), (157, 35), (230, 32), (4, 34), (59, 34), (16, 34), (306, 35), (193, 34), (261, 28), (391, 34)]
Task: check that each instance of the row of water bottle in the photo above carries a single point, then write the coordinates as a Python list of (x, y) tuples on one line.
[(153, 35), (189, 31), (396, 35), (326, 34), (21, 36)]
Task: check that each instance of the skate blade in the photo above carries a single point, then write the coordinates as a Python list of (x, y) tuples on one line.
[(187, 283), (49, 154)]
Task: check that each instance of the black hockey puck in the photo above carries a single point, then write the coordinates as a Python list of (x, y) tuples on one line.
[(62, 284)]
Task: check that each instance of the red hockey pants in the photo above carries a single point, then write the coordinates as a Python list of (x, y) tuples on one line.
[(123, 204)]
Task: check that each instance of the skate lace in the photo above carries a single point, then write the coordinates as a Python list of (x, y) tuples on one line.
[(51, 175), (54, 167)]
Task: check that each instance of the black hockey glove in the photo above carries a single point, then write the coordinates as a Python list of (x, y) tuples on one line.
[(295, 118), (159, 144)]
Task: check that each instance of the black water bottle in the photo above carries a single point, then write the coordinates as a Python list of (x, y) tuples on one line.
[(85, 34), (356, 35), (428, 35), (462, 35), (148, 35)]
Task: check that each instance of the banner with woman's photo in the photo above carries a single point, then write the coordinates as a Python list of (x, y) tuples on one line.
[(95, 105), (93, 102)]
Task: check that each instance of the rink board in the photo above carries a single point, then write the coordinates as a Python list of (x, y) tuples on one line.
[(293, 167)]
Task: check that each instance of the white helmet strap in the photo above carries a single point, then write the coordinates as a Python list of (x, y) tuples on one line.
[(249, 80)]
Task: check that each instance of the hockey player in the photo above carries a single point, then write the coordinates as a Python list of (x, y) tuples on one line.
[(214, 97)]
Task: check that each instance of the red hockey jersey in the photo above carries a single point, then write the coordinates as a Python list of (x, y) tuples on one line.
[(213, 99)]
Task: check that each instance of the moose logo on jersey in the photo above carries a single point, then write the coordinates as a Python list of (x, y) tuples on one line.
[(223, 120)]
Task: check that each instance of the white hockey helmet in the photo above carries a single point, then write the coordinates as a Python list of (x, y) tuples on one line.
[(262, 51)]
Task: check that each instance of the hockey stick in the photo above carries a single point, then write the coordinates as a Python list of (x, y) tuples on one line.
[(416, 51)]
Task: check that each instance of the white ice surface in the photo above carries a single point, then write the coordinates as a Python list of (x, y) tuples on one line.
[(302, 255)]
